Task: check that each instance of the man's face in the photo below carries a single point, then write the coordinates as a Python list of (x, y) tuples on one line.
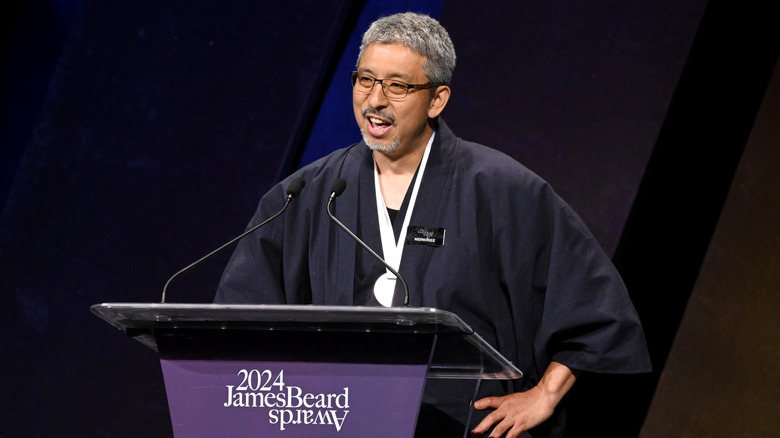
[(391, 126)]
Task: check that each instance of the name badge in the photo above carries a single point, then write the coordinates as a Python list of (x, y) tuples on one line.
[(425, 236)]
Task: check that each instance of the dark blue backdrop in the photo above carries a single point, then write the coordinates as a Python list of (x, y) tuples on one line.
[(163, 123)]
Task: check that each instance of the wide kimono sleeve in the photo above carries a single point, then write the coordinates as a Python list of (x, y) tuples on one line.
[(273, 264), (587, 319), (254, 272)]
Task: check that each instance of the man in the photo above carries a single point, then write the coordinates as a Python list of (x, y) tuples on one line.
[(508, 255)]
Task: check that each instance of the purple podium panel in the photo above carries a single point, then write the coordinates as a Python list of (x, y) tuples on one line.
[(209, 398)]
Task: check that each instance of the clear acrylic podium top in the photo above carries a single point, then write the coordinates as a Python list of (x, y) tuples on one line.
[(459, 352)]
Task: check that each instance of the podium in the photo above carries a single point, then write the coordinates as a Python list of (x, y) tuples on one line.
[(303, 370)]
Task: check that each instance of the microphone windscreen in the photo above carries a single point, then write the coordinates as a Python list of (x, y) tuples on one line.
[(338, 187), (295, 187)]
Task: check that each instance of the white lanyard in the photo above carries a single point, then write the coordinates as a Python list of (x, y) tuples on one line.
[(391, 249)]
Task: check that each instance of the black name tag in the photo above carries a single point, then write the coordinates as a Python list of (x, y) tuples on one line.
[(424, 236)]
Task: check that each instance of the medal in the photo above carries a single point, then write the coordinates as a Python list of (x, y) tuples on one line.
[(384, 289)]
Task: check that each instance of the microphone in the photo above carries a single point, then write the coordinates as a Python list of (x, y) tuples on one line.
[(338, 187), (293, 190)]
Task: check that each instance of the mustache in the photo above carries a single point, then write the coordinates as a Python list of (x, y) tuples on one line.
[(368, 111)]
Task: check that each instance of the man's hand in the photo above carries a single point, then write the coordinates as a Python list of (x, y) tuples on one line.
[(518, 412)]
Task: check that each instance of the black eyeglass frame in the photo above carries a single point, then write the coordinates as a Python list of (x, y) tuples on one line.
[(426, 86)]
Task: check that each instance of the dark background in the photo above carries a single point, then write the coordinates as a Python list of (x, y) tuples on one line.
[(137, 136)]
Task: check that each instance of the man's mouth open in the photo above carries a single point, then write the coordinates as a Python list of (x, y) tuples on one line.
[(378, 126)]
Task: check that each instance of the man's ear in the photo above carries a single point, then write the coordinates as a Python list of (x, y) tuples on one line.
[(439, 100)]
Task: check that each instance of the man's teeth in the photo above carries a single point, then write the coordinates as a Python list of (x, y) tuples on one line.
[(377, 121)]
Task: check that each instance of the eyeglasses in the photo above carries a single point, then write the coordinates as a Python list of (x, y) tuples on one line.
[(394, 90)]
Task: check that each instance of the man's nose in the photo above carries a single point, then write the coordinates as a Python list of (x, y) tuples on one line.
[(376, 97)]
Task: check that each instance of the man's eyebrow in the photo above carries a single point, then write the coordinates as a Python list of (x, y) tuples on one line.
[(402, 76)]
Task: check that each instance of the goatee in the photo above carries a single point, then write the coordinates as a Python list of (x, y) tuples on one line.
[(390, 148)]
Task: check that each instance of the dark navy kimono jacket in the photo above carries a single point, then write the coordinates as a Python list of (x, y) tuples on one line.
[(517, 264)]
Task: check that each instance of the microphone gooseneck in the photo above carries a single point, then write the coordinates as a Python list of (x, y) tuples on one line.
[(293, 190), (337, 188)]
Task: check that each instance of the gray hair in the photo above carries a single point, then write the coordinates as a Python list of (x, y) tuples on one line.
[(420, 33)]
